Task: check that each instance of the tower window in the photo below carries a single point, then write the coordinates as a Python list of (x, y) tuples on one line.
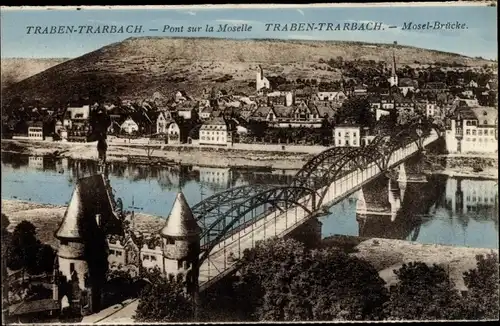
[(71, 267)]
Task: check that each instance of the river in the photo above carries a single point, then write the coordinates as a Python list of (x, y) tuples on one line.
[(444, 210)]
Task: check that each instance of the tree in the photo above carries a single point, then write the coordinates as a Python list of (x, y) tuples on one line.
[(282, 281), (357, 110), (45, 259), (482, 284), (423, 293), (24, 247), (5, 222), (164, 300)]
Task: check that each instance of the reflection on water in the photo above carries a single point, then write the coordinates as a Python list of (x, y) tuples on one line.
[(454, 211)]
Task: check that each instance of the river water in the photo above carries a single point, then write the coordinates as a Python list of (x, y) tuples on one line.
[(444, 210)]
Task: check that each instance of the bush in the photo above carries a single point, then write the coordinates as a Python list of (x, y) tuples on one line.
[(422, 293), (282, 281), (482, 284), (164, 301)]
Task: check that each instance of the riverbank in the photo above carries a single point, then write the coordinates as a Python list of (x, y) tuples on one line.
[(385, 254), (293, 157), (474, 166)]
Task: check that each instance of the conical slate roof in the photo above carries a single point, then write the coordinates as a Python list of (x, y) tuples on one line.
[(89, 198), (180, 222), (70, 226)]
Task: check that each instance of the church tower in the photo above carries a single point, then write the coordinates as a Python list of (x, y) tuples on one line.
[(393, 80), (181, 243), (261, 81)]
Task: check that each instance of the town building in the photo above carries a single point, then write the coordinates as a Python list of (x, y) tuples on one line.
[(185, 111), (431, 109), (206, 113), (173, 133), (407, 85), (79, 112), (58, 127), (338, 96), (129, 126), (79, 116), (473, 130), (302, 114), (280, 98), (90, 225), (174, 250), (261, 82), (214, 132), (35, 131), (347, 135), (162, 121)]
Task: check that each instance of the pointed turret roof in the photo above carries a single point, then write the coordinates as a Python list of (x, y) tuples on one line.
[(180, 222), (89, 198)]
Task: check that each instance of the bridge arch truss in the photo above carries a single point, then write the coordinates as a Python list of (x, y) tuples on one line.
[(232, 223)]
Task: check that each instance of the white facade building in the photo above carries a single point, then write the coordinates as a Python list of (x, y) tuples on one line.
[(129, 126), (473, 130), (347, 136), (164, 118), (214, 132), (174, 133), (35, 132)]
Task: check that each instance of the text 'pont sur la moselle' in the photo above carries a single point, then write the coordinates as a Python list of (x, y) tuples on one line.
[(242, 27)]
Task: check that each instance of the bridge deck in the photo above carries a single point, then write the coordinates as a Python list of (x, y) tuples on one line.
[(280, 223)]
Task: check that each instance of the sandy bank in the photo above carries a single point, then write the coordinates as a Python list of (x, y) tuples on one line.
[(385, 254), (389, 254), (47, 218)]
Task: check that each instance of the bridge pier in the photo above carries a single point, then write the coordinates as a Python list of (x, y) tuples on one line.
[(382, 196), (412, 170)]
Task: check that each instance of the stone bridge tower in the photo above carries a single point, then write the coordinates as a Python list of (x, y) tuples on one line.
[(83, 252), (181, 243)]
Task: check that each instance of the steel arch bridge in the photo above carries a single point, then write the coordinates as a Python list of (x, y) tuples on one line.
[(226, 214)]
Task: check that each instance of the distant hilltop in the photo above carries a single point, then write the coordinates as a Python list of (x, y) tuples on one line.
[(17, 69), (141, 66)]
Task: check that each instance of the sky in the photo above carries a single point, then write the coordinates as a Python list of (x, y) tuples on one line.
[(479, 39)]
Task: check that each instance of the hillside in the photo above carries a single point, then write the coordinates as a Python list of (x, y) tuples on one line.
[(17, 69), (141, 66)]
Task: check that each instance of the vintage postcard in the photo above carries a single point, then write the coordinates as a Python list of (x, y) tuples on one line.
[(249, 163)]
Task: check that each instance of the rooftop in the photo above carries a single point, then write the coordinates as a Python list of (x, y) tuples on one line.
[(89, 198), (180, 222)]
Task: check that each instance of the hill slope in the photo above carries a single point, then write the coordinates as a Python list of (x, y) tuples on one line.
[(141, 66), (17, 69)]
